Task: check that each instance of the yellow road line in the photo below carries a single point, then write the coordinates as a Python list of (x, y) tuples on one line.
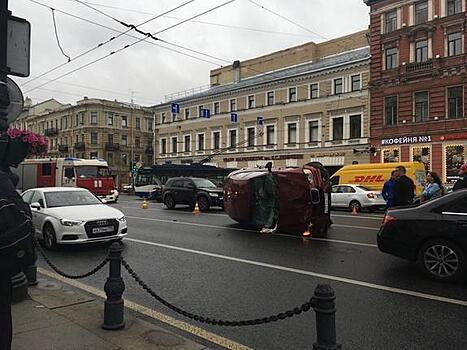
[(184, 326)]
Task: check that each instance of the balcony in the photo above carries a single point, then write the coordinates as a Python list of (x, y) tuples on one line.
[(149, 150), (63, 148), (80, 146), (51, 132), (419, 66), (110, 146)]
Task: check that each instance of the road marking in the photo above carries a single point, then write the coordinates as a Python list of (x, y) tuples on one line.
[(184, 326), (232, 228), (313, 274)]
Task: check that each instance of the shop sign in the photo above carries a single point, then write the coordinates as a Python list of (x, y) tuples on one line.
[(332, 154), (405, 140)]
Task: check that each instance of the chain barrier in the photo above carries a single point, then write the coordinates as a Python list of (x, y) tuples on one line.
[(257, 321), (64, 274)]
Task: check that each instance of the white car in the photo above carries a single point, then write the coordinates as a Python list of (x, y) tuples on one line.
[(356, 197), (69, 215), (110, 198)]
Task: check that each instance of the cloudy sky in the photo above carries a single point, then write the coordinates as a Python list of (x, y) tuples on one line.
[(150, 70)]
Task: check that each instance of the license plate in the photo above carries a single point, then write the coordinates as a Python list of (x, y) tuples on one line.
[(102, 229)]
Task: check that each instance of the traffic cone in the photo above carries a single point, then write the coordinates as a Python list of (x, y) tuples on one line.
[(354, 211), (196, 209), (145, 204)]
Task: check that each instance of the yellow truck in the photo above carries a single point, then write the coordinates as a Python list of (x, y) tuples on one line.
[(374, 175)]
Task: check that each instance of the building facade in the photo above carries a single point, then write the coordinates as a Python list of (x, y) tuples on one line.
[(307, 103), (418, 80), (120, 133)]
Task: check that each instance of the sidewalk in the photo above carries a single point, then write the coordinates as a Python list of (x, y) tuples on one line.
[(61, 317)]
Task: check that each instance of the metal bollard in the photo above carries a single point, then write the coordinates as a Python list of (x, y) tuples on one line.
[(114, 287), (31, 275), (325, 310)]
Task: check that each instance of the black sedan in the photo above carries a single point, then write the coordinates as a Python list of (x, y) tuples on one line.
[(433, 234)]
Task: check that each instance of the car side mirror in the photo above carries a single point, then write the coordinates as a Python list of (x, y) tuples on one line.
[(36, 206)]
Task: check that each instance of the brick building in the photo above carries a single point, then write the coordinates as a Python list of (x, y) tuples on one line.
[(417, 84)]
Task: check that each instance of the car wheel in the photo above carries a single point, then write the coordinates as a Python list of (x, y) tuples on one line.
[(442, 260), (355, 205), (50, 238), (169, 202), (203, 203)]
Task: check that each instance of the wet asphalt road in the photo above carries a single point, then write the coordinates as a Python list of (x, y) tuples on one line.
[(231, 273)]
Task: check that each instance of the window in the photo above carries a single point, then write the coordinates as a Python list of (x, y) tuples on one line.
[(422, 155), (390, 58), (110, 138), (313, 131), (93, 155), (200, 111), (355, 82), (93, 138), (217, 107), (138, 123), (187, 113), (174, 144), (421, 12), (337, 86), (217, 139), (187, 143), (355, 126), (270, 139), (76, 121), (292, 133), (110, 118), (110, 158), (81, 118), (421, 106), (421, 51), (124, 121), (455, 102), (390, 155), (76, 138), (390, 21), (233, 139), (233, 105), (454, 44), (47, 169), (314, 91), (338, 128), (251, 101), (164, 146), (93, 118), (390, 110), (250, 137), (293, 94), (200, 142), (270, 97), (149, 123), (137, 142), (125, 140), (454, 6), (163, 118), (455, 157)]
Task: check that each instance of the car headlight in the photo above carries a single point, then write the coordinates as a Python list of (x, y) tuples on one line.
[(68, 222), (122, 219), (214, 195)]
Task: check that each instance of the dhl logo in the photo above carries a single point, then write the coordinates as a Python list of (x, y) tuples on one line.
[(368, 178)]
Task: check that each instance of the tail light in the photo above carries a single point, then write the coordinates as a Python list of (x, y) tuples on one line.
[(370, 195), (388, 219)]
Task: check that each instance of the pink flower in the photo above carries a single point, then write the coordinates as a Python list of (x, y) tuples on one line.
[(39, 144)]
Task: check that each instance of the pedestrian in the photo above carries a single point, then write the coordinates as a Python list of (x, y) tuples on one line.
[(433, 188), (16, 228), (462, 182), (404, 188), (388, 189)]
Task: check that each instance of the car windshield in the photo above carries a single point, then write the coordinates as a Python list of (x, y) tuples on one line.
[(92, 171), (204, 183), (70, 198), (364, 188)]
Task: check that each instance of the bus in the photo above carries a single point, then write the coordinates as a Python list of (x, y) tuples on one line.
[(149, 181)]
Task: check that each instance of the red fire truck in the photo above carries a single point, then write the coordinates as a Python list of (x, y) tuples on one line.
[(92, 174)]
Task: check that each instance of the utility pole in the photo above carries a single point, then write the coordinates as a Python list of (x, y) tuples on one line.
[(4, 94)]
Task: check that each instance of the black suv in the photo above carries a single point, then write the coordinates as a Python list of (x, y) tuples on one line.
[(189, 190)]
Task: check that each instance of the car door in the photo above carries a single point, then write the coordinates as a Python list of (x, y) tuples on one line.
[(189, 190), (176, 189), (38, 215), (337, 196), (455, 217)]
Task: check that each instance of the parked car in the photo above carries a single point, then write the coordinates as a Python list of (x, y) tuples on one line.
[(68, 215), (127, 188), (356, 197), (433, 234), (189, 190)]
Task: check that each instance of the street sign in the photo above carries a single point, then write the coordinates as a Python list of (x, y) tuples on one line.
[(16, 101), (205, 113), (175, 108), (233, 117), (259, 121), (18, 46)]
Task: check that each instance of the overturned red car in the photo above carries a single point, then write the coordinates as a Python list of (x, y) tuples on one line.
[(290, 200)]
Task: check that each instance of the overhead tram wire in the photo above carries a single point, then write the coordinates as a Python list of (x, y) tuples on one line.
[(128, 45), (100, 44)]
